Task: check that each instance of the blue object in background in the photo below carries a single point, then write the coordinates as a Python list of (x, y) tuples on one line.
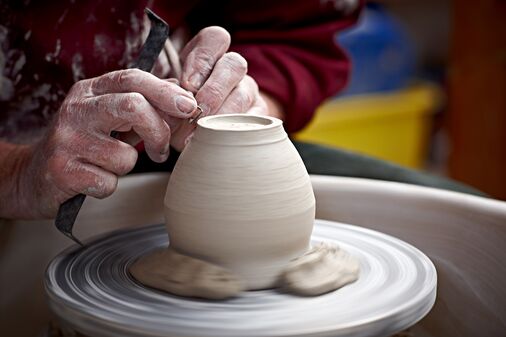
[(382, 54)]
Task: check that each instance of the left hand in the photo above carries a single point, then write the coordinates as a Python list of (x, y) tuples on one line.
[(218, 79)]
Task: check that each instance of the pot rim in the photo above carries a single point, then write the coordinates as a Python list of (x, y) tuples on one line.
[(220, 122)]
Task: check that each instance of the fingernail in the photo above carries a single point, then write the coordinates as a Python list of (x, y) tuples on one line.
[(185, 104), (196, 80)]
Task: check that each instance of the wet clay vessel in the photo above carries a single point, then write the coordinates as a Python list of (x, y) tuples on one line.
[(240, 197)]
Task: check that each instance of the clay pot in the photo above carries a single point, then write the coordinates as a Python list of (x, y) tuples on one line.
[(240, 197)]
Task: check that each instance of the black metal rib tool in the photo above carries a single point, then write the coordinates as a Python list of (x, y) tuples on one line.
[(158, 33)]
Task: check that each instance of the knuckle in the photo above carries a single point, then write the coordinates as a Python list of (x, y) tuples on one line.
[(73, 110), (74, 106), (158, 137), (204, 60), (137, 99), (58, 168), (127, 77), (104, 186), (236, 62), (79, 86), (215, 96), (200, 61), (126, 161), (132, 102), (110, 184)]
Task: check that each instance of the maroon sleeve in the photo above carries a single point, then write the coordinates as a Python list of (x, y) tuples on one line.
[(289, 44), (291, 50)]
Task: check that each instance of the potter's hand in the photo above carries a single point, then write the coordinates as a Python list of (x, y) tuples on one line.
[(78, 155), (217, 78)]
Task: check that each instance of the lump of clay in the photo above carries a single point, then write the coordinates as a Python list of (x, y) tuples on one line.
[(167, 270), (324, 268)]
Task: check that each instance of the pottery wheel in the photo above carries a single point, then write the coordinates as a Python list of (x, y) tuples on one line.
[(91, 290)]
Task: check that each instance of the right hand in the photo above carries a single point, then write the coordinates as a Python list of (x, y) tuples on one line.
[(78, 155), (218, 80)]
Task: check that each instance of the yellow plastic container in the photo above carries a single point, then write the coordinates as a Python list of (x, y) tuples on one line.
[(393, 126)]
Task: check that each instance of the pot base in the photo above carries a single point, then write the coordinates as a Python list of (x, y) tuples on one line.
[(166, 269), (322, 269)]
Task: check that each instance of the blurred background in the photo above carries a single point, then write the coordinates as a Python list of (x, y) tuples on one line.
[(428, 90)]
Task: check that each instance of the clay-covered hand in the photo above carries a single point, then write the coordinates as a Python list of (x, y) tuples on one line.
[(78, 155), (217, 78)]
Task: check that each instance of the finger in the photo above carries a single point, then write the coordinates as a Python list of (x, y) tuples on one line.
[(200, 55), (260, 108), (244, 98), (94, 181), (106, 152), (241, 99), (166, 96), (226, 75), (172, 55), (122, 112), (161, 68), (77, 177), (182, 136)]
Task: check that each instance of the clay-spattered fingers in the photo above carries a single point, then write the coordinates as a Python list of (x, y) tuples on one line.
[(241, 99), (73, 176), (200, 55), (226, 75), (259, 107), (165, 96), (95, 181), (122, 112), (106, 152)]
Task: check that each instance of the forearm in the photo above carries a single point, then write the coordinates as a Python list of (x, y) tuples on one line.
[(13, 164)]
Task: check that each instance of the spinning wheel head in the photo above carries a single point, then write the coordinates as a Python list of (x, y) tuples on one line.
[(91, 290)]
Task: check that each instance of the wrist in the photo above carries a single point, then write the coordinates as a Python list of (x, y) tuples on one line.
[(14, 163)]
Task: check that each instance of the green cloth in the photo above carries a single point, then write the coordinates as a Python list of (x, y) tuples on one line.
[(336, 162)]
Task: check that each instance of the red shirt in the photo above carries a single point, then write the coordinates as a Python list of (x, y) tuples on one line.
[(48, 45)]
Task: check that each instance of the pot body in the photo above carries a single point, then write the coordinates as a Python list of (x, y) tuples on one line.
[(240, 197)]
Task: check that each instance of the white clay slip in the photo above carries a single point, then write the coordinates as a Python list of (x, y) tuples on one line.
[(167, 270), (324, 268)]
